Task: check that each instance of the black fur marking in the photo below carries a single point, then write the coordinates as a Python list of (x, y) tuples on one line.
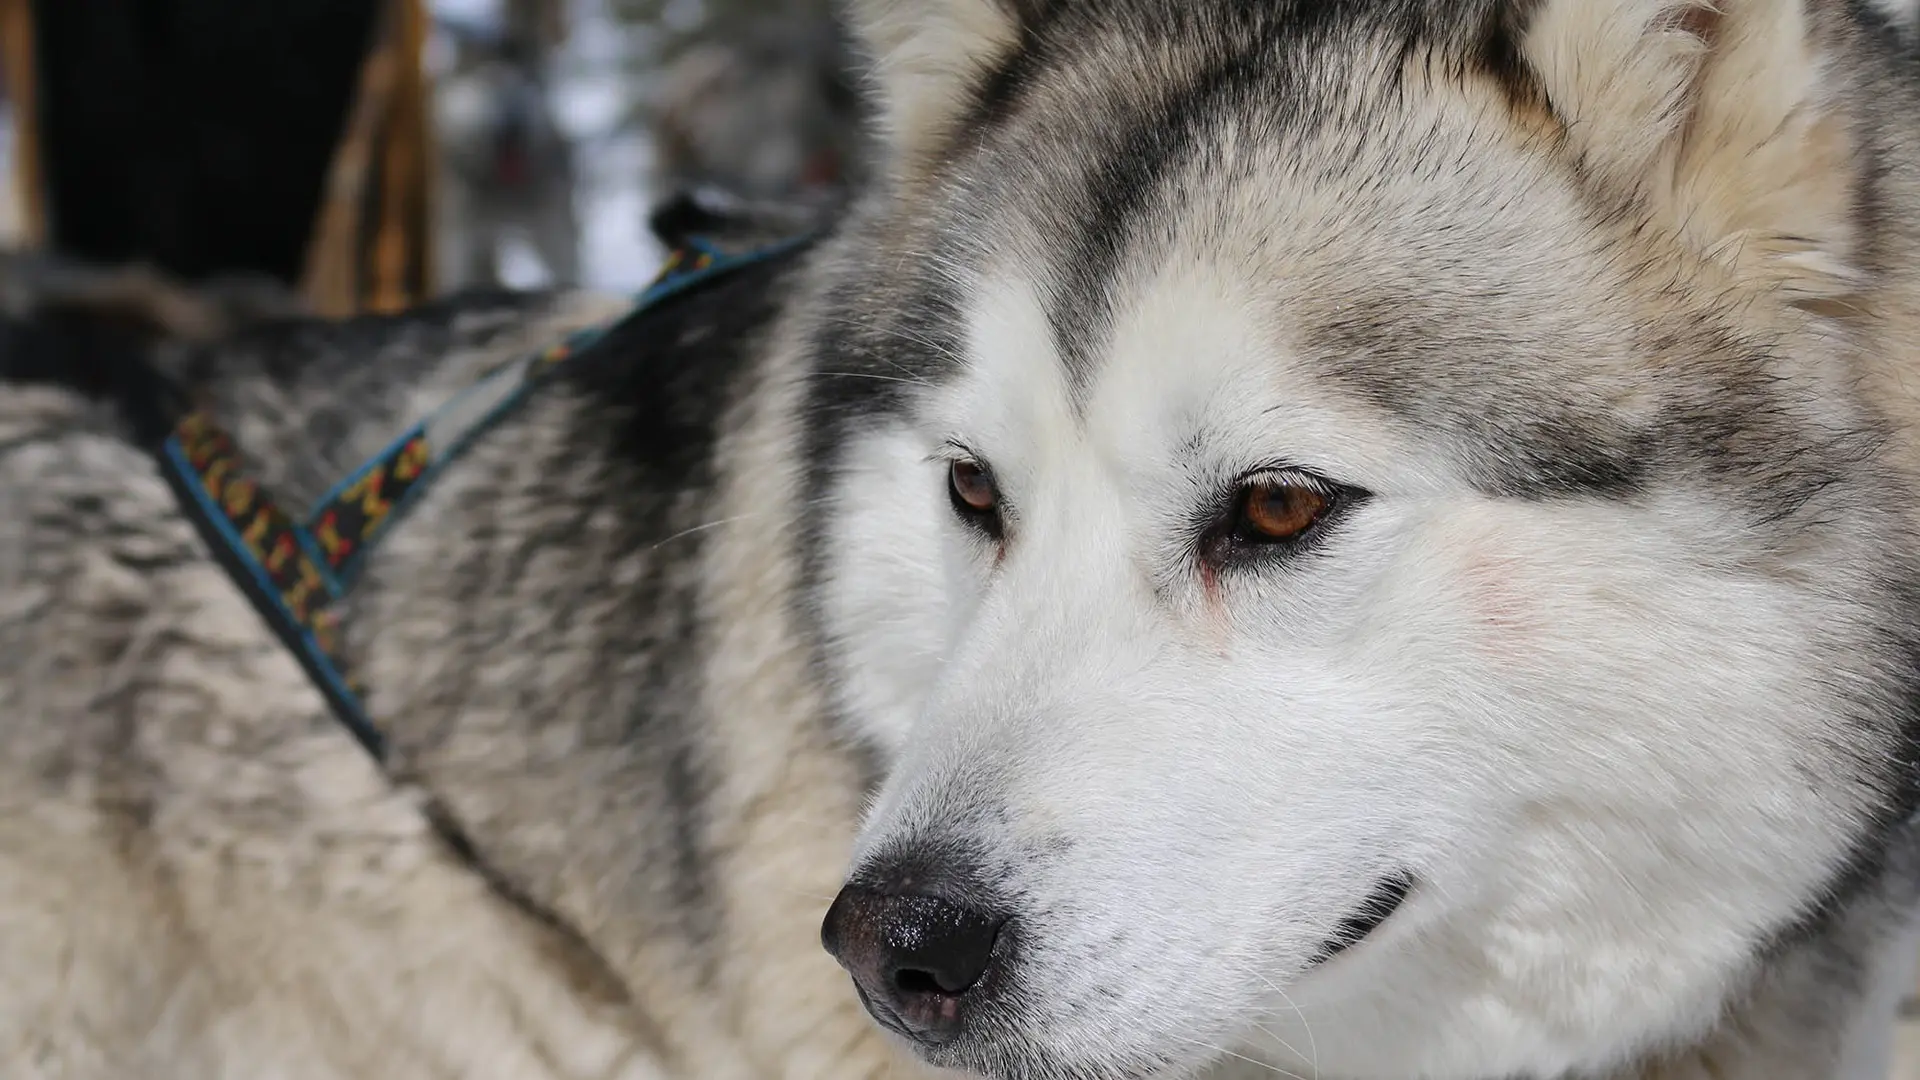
[(1130, 174), (1368, 916), (1496, 54), (580, 950), (662, 385), (674, 370), (1002, 89), (863, 371), (97, 359)]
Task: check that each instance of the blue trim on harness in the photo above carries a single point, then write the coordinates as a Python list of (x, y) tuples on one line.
[(261, 589), (297, 622), (668, 285)]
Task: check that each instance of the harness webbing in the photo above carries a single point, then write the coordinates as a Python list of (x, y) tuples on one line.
[(297, 570)]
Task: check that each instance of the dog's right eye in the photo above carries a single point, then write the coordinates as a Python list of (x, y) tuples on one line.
[(975, 497)]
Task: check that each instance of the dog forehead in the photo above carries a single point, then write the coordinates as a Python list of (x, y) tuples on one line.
[(1281, 316), (1476, 311), (1400, 248), (1424, 268)]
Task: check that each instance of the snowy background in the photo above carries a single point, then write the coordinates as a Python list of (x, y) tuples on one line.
[(592, 95)]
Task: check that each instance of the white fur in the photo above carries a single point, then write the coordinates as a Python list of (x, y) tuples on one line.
[(1608, 736), (925, 55), (1583, 724), (1507, 698), (1733, 138)]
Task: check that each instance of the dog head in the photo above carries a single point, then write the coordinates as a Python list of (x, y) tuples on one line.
[(1377, 545)]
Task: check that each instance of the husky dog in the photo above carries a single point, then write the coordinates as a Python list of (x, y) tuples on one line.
[(1371, 539)]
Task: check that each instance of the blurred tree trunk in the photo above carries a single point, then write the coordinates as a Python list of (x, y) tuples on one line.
[(371, 245)]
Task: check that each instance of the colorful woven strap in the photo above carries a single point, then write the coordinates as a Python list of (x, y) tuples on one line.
[(297, 570)]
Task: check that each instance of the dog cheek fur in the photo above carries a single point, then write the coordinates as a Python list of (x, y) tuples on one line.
[(1555, 803), (892, 593), (1599, 830)]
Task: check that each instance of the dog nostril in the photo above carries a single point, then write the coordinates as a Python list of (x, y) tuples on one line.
[(958, 981), (939, 947), (910, 981)]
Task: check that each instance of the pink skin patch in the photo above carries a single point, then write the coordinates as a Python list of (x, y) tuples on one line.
[(1214, 626), (1498, 597)]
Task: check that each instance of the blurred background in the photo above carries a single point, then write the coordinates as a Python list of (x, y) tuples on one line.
[(364, 155)]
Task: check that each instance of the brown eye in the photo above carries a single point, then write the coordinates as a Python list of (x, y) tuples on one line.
[(975, 496), (973, 487), (1275, 511)]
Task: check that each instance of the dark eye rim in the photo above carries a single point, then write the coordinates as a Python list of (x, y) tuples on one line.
[(988, 521), (1227, 539)]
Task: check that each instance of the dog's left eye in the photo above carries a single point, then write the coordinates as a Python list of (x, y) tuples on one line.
[(1272, 513), (1275, 510)]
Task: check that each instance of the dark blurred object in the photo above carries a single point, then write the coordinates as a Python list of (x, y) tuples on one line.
[(766, 109), (132, 302), (711, 214), (193, 134), (219, 137)]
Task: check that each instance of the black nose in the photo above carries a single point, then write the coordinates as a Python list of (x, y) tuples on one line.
[(914, 958)]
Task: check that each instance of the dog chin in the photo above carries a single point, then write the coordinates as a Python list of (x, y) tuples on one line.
[(1025, 1060)]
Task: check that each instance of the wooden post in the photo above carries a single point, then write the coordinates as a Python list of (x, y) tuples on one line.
[(403, 249), (372, 239), (16, 52)]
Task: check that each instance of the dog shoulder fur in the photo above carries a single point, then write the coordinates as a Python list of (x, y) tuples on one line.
[(203, 875)]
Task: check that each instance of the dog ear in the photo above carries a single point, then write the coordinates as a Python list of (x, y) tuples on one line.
[(1721, 118), (927, 56)]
